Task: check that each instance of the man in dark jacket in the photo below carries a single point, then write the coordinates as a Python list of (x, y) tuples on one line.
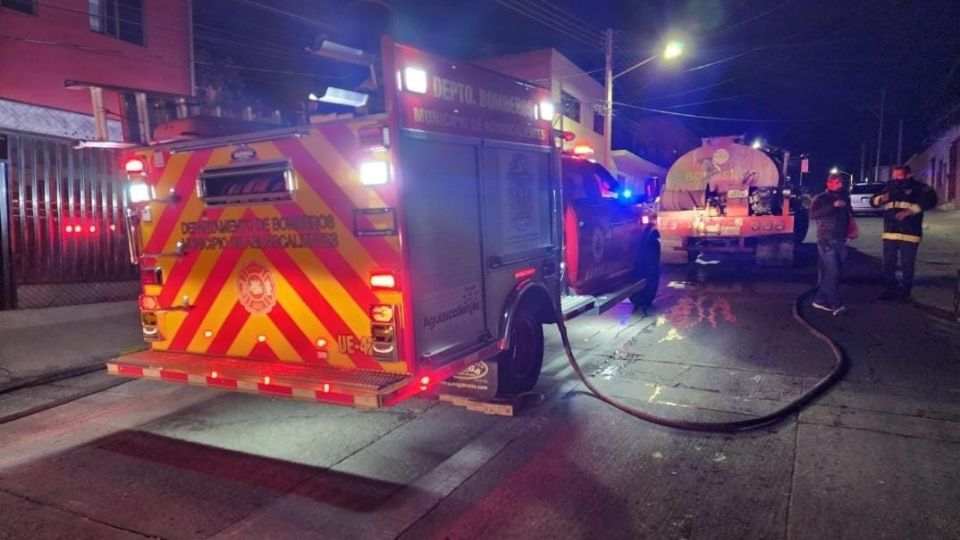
[(835, 227), (904, 200)]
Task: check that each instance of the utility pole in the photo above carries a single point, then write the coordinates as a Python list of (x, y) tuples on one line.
[(608, 105), (863, 159), (883, 99), (900, 144)]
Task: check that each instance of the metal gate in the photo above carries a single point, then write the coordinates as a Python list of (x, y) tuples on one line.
[(64, 225)]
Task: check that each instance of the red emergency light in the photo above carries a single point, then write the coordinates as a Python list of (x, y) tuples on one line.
[(134, 166), (582, 150), (525, 273), (148, 303), (151, 275)]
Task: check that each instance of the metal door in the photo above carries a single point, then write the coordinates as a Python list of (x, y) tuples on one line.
[(65, 230)]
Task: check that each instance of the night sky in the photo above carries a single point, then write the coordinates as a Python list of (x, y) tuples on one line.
[(806, 75)]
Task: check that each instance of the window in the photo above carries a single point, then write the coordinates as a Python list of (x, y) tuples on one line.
[(570, 106), (609, 188), (866, 189), (246, 184), (23, 6), (122, 19), (598, 122)]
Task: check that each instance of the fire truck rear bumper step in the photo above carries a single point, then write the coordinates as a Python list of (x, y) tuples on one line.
[(573, 305), (361, 389), (606, 302)]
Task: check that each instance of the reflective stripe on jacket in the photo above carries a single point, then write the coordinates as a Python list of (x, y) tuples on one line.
[(911, 195)]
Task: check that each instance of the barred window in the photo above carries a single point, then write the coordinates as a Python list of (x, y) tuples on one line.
[(122, 19), (570, 106), (24, 6)]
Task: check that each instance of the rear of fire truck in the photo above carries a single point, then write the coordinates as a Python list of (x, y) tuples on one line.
[(729, 198), (356, 261)]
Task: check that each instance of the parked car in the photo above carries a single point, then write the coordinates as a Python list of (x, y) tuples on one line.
[(860, 195)]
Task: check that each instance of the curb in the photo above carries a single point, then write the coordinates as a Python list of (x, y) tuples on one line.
[(95, 365)]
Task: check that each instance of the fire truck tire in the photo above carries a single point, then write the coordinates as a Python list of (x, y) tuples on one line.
[(518, 368), (648, 267)]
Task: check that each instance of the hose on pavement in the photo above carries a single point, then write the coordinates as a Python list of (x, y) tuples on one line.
[(836, 373)]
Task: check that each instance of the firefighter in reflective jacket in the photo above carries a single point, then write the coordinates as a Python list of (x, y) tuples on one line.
[(904, 200)]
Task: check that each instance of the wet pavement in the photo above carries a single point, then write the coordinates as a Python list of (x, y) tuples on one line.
[(877, 457)]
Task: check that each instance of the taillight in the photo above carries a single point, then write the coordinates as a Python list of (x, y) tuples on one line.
[(525, 273), (151, 330), (134, 166), (151, 275), (383, 332), (149, 303), (382, 313), (383, 280)]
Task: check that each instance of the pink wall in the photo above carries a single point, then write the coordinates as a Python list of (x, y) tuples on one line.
[(64, 47)]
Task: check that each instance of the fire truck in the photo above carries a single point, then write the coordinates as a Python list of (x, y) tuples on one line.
[(363, 260), (730, 198)]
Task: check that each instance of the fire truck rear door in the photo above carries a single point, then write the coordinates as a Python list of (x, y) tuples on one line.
[(441, 177)]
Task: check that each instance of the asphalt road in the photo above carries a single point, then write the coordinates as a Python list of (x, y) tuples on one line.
[(878, 457)]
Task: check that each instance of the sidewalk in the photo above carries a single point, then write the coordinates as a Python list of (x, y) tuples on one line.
[(36, 343)]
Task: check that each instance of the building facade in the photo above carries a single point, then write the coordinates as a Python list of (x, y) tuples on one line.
[(656, 140), (638, 174), (579, 97), (938, 164), (76, 78)]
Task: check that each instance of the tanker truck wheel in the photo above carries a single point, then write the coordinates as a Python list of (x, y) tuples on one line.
[(801, 224), (518, 367), (648, 267)]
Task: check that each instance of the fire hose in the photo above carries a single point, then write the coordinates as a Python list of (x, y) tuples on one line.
[(836, 373)]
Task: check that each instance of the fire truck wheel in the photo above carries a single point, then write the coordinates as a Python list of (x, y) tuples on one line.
[(518, 368), (648, 267)]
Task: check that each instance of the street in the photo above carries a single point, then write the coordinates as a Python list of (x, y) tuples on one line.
[(877, 457)]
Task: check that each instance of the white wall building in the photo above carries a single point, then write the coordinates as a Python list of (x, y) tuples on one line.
[(938, 165), (579, 96)]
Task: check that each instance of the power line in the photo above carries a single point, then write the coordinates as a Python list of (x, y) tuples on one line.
[(721, 118), (154, 60), (559, 19), (569, 16), (547, 21), (313, 22), (749, 20), (704, 102), (267, 70)]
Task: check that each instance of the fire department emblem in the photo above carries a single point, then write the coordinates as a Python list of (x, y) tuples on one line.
[(256, 289)]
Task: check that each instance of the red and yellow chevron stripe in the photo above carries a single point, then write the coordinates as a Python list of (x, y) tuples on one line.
[(319, 310)]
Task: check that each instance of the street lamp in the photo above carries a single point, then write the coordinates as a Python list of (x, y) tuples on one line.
[(838, 170), (757, 144), (671, 51)]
